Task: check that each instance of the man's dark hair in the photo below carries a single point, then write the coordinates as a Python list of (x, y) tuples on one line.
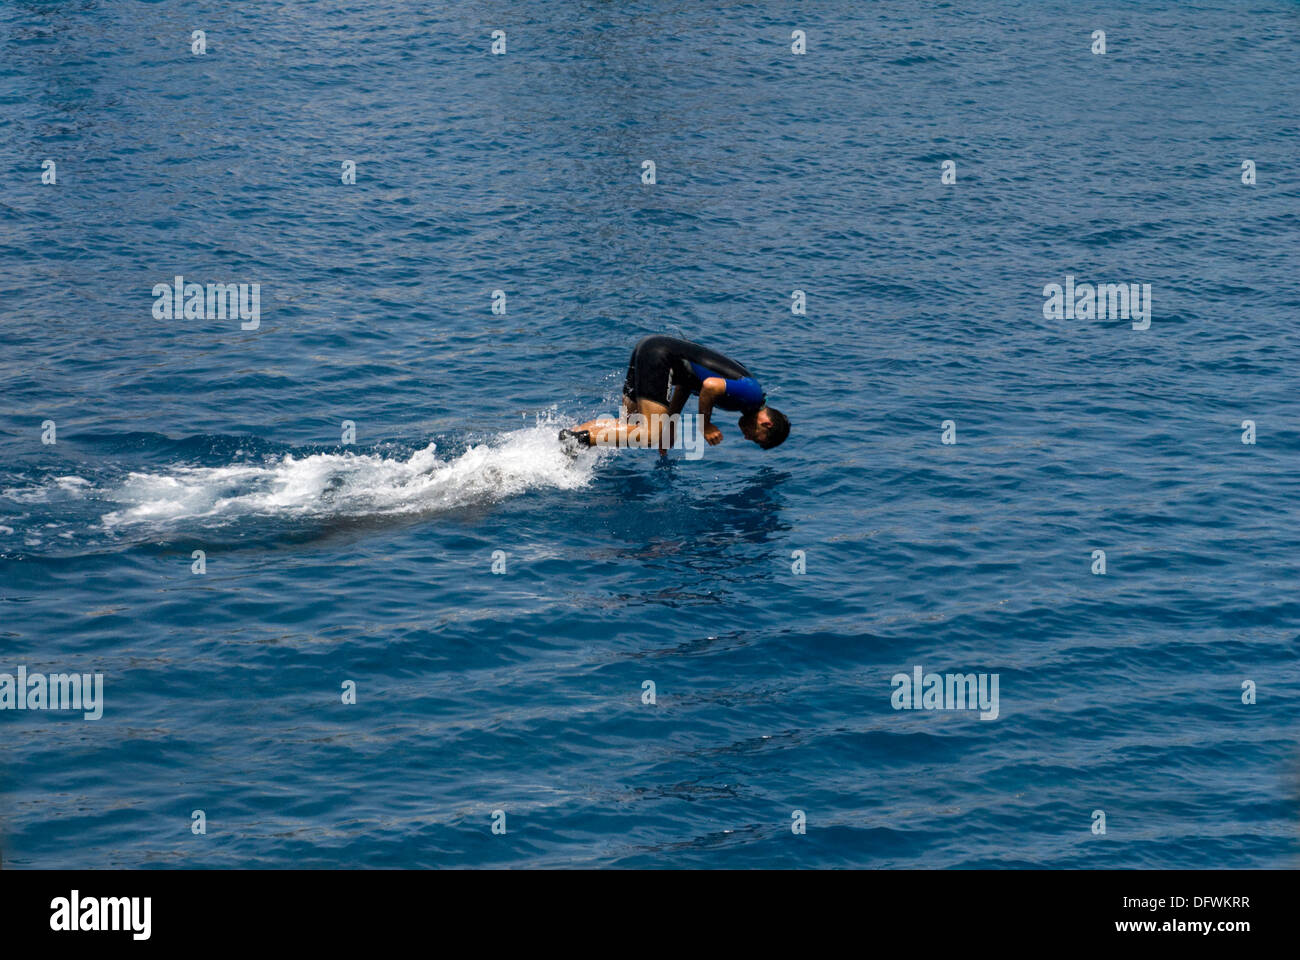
[(778, 431)]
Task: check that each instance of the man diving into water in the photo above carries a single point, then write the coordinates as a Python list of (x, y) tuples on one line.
[(661, 376)]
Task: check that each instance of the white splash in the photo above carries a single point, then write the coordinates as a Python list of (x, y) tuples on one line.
[(350, 484)]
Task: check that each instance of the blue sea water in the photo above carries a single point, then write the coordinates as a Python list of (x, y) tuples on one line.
[(522, 691)]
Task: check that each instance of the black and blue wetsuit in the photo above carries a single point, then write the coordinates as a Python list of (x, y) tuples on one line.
[(660, 363)]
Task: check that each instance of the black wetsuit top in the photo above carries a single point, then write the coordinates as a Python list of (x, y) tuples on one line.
[(660, 363)]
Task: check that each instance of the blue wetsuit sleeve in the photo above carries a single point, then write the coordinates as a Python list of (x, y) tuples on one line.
[(745, 391)]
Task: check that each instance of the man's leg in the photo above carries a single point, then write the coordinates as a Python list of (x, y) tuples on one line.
[(645, 426), (644, 422)]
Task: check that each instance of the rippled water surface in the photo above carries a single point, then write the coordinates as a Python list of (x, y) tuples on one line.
[(522, 692)]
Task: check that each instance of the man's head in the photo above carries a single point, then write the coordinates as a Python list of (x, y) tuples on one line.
[(768, 427)]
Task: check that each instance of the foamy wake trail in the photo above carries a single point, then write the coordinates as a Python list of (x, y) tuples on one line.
[(347, 484)]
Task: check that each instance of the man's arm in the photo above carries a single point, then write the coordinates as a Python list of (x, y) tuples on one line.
[(711, 390)]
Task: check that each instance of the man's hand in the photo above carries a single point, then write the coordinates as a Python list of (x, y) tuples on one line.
[(713, 435)]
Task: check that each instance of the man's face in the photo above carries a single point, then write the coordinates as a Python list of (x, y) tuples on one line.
[(756, 425)]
